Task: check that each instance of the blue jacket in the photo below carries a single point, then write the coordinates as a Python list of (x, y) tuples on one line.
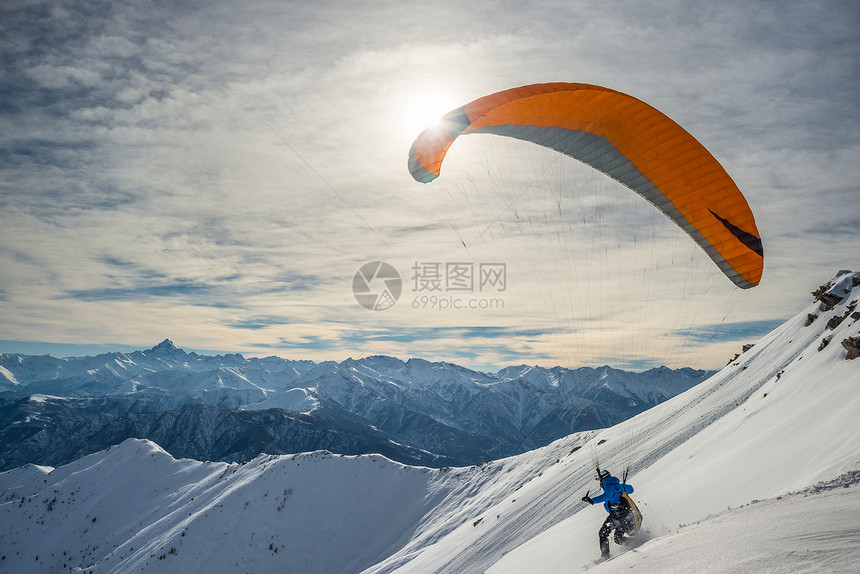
[(612, 491)]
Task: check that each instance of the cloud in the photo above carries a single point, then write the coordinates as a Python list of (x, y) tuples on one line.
[(260, 322), (235, 164), (744, 331), (115, 261), (181, 290), (419, 334)]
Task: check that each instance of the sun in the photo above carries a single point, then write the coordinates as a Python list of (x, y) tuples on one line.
[(426, 110)]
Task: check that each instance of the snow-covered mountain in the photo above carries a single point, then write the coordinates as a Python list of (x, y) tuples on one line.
[(754, 470), (229, 408)]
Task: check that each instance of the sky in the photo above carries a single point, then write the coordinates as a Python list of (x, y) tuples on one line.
[(218, 174)]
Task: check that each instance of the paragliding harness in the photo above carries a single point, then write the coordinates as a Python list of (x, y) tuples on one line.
[(634, 510)]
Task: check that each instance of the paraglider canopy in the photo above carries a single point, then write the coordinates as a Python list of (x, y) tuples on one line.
[(629, 141)]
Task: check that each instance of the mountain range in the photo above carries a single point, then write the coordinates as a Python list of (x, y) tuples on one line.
[(231, 408)]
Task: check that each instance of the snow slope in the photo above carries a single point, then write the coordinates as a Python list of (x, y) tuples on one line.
[(776, 421), (813, 531), (135, 508)]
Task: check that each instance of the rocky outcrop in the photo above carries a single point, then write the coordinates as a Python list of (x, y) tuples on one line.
[(828, 299), (852, 345), (835, 321)]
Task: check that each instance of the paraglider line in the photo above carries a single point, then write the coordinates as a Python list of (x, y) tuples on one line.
[(513, 201), (322, 179)]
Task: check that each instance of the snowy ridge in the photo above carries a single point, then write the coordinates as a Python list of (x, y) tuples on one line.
[(754, 470), (7, 379)]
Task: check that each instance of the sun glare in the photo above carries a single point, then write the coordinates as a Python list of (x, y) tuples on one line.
[(427, 109)]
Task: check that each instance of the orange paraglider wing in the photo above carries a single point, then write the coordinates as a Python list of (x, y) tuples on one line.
[(626, 139)]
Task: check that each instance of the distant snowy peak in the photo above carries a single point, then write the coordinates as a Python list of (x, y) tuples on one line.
[(165, 351), (166, 347)]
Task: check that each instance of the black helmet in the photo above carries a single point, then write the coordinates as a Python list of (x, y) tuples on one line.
[(602, 475)]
